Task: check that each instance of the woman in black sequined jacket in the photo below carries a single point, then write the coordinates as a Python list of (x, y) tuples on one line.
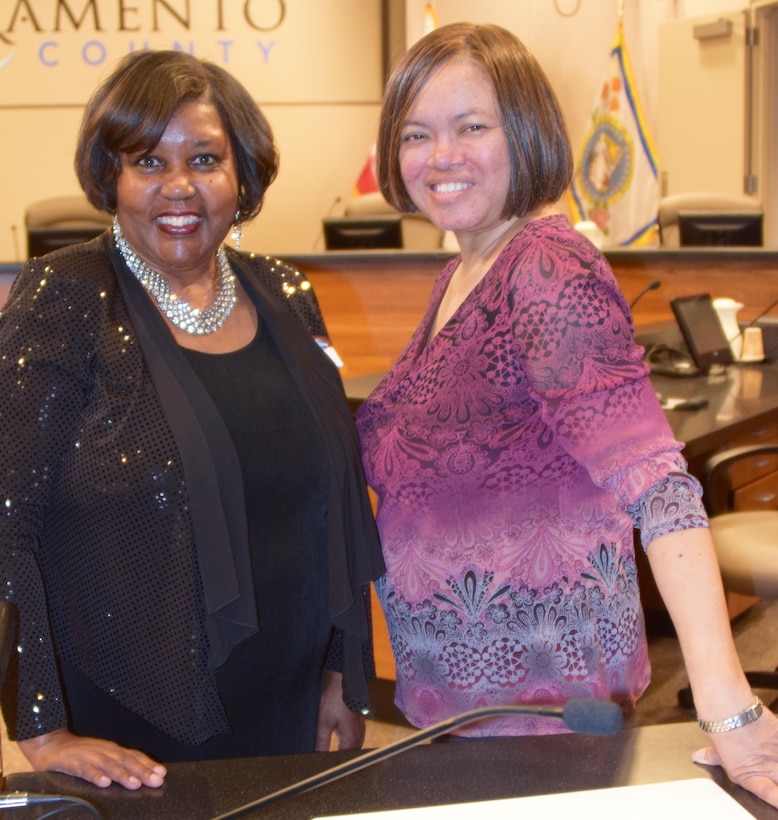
[(186, 531)]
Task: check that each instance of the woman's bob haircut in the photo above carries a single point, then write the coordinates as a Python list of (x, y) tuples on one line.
[(130, 111), (541, 160)]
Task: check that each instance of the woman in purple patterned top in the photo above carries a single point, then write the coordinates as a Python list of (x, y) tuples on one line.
[(517, 441)]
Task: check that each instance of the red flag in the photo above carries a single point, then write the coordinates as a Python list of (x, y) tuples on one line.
[(366, 182)]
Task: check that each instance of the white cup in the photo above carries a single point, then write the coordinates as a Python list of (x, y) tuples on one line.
[(753, 345)]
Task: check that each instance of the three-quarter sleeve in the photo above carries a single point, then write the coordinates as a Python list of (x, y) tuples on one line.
[(576, 340)]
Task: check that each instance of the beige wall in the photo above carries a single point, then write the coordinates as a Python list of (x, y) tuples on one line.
[(315, 68), (572, 40), (320, 88)]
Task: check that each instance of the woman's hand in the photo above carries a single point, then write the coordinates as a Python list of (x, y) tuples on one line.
[(100, 762), (749, 755), (686, 571), (336, 718)]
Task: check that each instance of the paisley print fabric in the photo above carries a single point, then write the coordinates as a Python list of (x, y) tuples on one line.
[(511, 456)]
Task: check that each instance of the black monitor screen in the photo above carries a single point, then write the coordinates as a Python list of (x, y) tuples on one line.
[(702, 330), (716, 228), (348, 233), (43, 240)]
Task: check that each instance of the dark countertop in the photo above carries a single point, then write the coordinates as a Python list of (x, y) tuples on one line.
[(430, 774)]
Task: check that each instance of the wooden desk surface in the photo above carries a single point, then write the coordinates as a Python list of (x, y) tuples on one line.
[(436, 774), (373, 301)]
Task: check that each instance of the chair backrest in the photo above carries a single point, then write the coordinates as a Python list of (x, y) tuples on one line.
[(670, 208), (417, 231), (59, 221)]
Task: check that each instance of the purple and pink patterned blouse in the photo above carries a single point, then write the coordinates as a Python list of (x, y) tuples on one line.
[(512, 455)]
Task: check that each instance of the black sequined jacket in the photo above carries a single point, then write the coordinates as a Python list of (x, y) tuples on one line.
[(122, 537)]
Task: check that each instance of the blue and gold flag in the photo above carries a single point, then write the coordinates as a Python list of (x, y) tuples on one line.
[(616, 184)]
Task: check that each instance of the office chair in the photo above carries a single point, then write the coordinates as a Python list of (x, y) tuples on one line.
[(670, 208), (418, 232), (746, 541), (59, 221)]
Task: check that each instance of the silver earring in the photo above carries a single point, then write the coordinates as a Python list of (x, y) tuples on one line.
[(237, 231)]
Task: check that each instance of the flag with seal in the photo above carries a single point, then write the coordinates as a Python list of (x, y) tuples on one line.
[(616, 183)]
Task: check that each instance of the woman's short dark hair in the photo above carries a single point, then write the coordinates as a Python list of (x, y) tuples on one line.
[(130, 111), (541, 159)]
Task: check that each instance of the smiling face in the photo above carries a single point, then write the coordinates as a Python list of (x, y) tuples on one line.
[(454, 157), (176, 202)]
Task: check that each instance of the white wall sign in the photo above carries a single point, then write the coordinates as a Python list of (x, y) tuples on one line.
[(54, 52)]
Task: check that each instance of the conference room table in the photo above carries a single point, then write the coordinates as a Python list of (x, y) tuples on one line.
[(434, 774)]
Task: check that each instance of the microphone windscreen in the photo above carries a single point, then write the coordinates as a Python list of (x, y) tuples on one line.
[(592, 716)]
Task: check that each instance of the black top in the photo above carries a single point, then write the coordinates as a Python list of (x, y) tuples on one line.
[(271, 683)]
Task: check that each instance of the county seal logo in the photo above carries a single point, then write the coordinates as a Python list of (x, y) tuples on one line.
[(607, 161)]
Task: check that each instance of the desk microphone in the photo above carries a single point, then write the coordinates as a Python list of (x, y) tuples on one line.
[(335, 203), (741, 334), (760, 315), (589, 716), (653, 286), (17, 800)]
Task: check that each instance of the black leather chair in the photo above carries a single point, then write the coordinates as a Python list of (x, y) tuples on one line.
[(63, 220)]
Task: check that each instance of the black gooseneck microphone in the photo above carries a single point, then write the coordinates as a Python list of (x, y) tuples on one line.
[(17, 800), (653, 286), (585, 715), (320, 234), (760, 315), (741, 333)]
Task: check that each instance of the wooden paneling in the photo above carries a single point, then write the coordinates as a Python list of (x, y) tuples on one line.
[(761, 494), (748, 275), (372, 302)]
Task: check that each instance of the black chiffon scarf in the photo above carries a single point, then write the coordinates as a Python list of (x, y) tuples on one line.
[(215, 486)]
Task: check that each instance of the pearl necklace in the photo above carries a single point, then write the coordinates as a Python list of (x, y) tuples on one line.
[(191, 320)]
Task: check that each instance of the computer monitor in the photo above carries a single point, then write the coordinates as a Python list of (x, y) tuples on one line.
[(348, 233), (702, 330), (719, 228), (43, 240)]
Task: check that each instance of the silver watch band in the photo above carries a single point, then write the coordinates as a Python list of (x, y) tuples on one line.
[(751, 714)]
